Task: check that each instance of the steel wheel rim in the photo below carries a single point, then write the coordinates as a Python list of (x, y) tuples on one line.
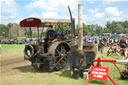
[(60, 50)]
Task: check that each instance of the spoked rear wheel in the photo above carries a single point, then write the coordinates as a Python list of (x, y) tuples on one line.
[(59, 51), (60, 58)]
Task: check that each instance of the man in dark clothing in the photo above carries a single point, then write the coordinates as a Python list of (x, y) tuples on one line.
[(123, 46), (122, 43)]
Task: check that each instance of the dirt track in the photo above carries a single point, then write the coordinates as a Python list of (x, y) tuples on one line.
[(13, 68), (11, 61)]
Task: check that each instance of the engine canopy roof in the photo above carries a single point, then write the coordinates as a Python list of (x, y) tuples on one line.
[(35, 22)]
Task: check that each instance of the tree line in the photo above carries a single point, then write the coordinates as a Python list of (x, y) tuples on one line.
[(4, 29), (110, 27), (93, 29)]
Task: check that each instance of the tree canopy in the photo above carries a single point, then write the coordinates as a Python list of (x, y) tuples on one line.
[(93, 29)]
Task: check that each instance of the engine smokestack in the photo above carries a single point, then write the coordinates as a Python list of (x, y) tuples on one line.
[(80, 25)]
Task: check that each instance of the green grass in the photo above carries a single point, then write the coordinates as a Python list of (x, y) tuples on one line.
[(24, 74), (12, 50)]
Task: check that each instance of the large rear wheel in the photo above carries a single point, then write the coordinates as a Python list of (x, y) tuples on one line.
[(60, 57), (59, 51)]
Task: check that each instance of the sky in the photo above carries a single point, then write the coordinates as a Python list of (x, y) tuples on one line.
[(94, 11)]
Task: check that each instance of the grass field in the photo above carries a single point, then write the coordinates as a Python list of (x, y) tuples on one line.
[(12, 50), (22, 73)]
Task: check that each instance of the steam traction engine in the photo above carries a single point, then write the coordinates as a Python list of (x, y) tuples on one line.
[(57, 50), (50, 53)]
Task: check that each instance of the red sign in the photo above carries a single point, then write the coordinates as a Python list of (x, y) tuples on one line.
[(99, 73)]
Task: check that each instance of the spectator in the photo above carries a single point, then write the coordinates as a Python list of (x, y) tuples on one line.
[(122, 43), (113, 48), (96, 40), (105, 40), (101, 44), (85, 39), (90, 40), (110, 42)]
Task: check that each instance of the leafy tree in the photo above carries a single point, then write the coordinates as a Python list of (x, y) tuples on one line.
[(85, 30), (9, 25), (4, 30), (99, 30), (108, 24), (118, 28), (107, 30), (125, 24)]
